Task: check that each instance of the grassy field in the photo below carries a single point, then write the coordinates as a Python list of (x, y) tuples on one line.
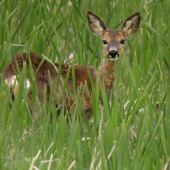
[(132, 131)]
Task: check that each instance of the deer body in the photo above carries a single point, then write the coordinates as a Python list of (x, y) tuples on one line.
[(113, 43)]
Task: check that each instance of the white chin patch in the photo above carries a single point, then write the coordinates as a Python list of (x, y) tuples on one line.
[(114, 59)]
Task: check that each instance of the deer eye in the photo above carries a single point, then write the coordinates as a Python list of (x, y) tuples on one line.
[(104, 42), (122, 41)]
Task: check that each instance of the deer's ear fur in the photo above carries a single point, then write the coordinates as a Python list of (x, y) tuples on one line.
[(97, 26), (131, 24)]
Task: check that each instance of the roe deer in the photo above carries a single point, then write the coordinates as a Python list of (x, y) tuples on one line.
[(113, 43)]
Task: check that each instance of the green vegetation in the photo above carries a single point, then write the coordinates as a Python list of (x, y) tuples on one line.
[(132, 131)]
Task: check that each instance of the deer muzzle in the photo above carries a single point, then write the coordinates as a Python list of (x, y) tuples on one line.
[(113, 55)]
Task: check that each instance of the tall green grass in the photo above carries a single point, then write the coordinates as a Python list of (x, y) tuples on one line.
[(131, 131)]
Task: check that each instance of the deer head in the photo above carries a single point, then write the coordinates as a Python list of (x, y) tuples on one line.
[(113, 40)]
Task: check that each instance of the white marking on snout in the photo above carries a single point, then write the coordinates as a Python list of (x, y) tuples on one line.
[(113, 49)]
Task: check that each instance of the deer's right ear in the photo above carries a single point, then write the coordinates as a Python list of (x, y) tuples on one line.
[(131, 24), (97, 26)]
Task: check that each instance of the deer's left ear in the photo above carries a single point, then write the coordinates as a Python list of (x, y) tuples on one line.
[(131, 24), (96, 24)]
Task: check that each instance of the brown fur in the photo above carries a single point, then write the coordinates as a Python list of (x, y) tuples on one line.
[(42, 79), (111, 49)]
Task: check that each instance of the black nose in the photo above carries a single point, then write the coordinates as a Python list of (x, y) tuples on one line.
[(113, 54)]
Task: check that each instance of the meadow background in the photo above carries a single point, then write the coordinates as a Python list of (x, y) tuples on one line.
[(131, 131)]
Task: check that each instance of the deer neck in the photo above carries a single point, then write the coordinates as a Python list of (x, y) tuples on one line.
[(107, 74)]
